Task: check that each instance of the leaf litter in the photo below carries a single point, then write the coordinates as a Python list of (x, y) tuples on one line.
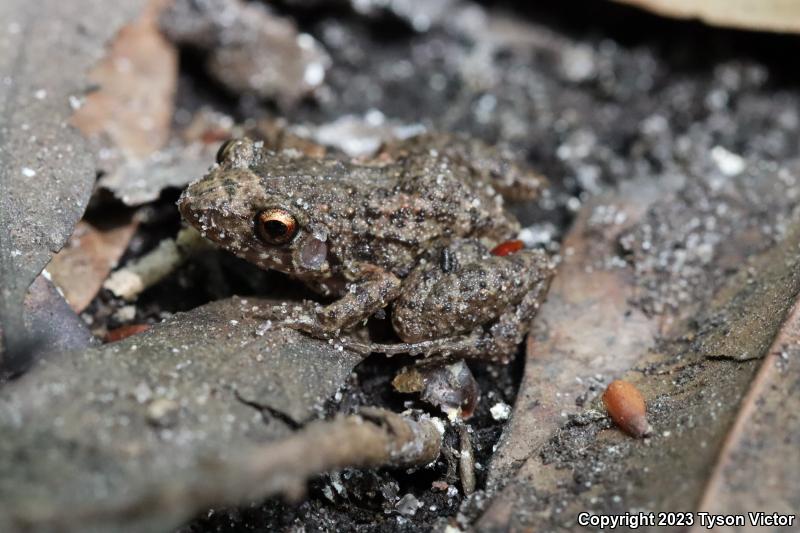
[(38, 150), (673, 198)]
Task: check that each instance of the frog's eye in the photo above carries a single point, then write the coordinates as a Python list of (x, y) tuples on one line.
[(222, 153), (276, 226)]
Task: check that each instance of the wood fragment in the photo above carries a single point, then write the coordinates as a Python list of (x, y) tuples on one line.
[(757, 466), (466, 462), (144, 272)]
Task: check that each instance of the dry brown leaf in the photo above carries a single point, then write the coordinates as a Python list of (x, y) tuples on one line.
[(693, 401), (757, 468), (82, 266), (137, 80), (585, 328)]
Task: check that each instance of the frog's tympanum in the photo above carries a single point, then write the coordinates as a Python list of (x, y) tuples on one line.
[(420, 228)]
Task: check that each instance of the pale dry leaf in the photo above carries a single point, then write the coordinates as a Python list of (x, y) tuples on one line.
[(587, 464), (770, 15), (586, 328), (82, 266)]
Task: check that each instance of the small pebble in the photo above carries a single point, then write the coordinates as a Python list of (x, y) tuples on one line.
[(500, 411), (408, 505), (162, 413)]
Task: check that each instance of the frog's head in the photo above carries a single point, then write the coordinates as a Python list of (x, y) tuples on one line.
[(232, 207)]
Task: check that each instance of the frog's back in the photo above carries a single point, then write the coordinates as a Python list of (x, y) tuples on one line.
[(389, 213)]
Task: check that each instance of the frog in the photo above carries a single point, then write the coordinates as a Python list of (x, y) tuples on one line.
[(420, 230)]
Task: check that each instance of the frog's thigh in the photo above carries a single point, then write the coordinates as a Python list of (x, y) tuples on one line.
[(434, 304)]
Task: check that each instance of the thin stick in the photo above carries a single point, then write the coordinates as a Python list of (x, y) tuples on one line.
[(373, 438)]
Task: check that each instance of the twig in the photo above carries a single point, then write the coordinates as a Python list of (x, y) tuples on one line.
[(144, 272), (373, 438)]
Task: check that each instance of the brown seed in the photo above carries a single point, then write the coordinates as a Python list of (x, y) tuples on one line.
[(626, 406)]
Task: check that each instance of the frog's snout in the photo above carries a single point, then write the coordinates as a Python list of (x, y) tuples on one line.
[(196, 205)]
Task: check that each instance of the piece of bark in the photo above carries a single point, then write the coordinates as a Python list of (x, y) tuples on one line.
[(758, 464)]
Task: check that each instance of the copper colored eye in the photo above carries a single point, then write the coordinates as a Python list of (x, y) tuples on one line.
[(276, 226)]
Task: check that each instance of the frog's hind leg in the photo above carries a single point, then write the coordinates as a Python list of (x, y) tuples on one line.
[(498, 344), (457, 345), (507, 333)]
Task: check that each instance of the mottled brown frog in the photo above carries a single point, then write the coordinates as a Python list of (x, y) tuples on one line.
[(420, 229)]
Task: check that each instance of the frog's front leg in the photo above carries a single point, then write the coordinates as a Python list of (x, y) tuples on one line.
[(374, 289)]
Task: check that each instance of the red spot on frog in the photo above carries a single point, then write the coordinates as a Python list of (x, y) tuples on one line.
[(508, 247)]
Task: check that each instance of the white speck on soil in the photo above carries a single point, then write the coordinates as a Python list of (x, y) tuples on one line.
[(500, 411)]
